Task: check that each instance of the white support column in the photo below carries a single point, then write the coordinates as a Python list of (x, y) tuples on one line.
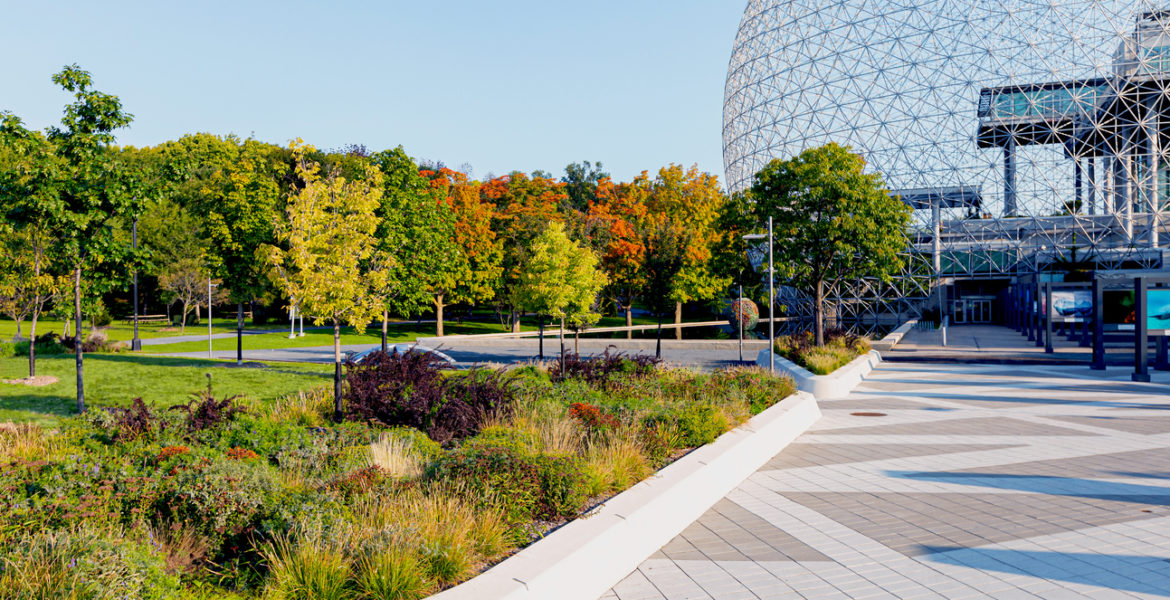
[(936, 225), (1154, 146), (1092, 185)]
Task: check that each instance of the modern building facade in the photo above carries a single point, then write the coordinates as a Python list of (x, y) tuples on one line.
[(1030, 137)]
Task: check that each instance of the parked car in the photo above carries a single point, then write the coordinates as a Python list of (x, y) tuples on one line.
[(358, 357)]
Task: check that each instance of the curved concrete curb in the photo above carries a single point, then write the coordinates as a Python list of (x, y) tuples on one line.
[(586, 557), (834, 385), (887, 343)]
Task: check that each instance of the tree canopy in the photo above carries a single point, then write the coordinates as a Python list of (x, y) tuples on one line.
[(832, 221)]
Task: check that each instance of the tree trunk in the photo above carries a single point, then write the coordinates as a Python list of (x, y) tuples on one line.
[(561, 335), (678, 320), (337, 370), (32, 344), (577, 342), (541, 337), (515, 321), (439, 315), (32, 341), (819, 313), (385, 317), (239, 333), (658, 344), (77, 337), (18, 335), (183, 319), (629, 321)]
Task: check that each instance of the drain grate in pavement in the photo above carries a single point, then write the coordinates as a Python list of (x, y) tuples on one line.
[(867, 414)]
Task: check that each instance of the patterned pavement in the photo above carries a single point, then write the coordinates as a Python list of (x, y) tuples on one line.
[(981, 481)]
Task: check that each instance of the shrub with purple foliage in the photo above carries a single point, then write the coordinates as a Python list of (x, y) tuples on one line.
[(409, 389), (602, 369)]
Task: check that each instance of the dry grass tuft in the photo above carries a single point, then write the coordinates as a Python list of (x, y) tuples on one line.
[(396, 456), (23, 441)]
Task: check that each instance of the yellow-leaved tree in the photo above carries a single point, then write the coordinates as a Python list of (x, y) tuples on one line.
[(560, 280), (330, 265)]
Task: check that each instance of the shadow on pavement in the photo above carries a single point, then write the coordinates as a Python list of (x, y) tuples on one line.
[(1130, 573)]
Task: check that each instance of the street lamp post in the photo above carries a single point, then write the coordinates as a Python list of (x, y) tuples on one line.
[(771, 295)]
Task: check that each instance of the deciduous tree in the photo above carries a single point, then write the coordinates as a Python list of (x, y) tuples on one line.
[(832, 221), (330, 231), (80, 193), (692, 197), (666, 253), (560, 280)]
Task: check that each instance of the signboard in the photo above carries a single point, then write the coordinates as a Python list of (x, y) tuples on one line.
[(1117, 309), (1071, 306), (1157, 309)]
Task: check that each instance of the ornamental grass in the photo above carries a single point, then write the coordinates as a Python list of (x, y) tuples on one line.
[(418, 490)]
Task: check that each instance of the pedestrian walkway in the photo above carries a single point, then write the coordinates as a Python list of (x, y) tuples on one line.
[(946, 481), (985, 343)]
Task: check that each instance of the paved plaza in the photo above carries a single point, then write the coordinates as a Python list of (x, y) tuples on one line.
[(980, 481)]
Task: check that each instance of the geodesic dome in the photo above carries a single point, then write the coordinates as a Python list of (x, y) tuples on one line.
[(985, 108)]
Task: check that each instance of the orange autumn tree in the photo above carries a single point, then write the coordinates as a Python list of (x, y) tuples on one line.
[(523, 206), (621, 212), (695, 198), (477, 274)]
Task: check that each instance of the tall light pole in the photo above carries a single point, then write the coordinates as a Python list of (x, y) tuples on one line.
[(771, 295)]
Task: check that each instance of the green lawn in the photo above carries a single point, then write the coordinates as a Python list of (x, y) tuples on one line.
[(397, 333), (116, 379), (121, 332)]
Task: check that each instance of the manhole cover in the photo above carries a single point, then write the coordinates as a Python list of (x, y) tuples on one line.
[(868, 414)]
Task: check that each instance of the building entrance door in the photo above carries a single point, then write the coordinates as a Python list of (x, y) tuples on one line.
[(971, 310)]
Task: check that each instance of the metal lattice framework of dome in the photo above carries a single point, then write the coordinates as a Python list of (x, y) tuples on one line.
[(1017, 129)]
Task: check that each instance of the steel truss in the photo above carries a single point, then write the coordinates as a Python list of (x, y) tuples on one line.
[(1027, 134)]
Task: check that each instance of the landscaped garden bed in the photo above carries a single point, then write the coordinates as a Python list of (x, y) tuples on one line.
[(433, 476), (839, 349)]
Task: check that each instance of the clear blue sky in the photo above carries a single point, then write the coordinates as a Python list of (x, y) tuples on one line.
[(500, 85)]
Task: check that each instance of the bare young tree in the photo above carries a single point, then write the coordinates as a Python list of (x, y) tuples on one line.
[(185, 281)]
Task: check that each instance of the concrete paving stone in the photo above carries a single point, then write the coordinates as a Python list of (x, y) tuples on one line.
[(1034, 488)]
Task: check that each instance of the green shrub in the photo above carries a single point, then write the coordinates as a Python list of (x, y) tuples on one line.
[(84, 563), (221, 496), (839, 349), (701, 424), (522, 485)]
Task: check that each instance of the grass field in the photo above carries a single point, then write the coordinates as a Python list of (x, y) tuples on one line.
[(121, 332), (116, 379)]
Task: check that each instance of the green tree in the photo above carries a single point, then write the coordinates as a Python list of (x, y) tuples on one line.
[(665, 244), (581, 181), (560, 280), (417, 236), (832, 221), (329, 232), (79, 195), (244, 202), (175, 241)]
